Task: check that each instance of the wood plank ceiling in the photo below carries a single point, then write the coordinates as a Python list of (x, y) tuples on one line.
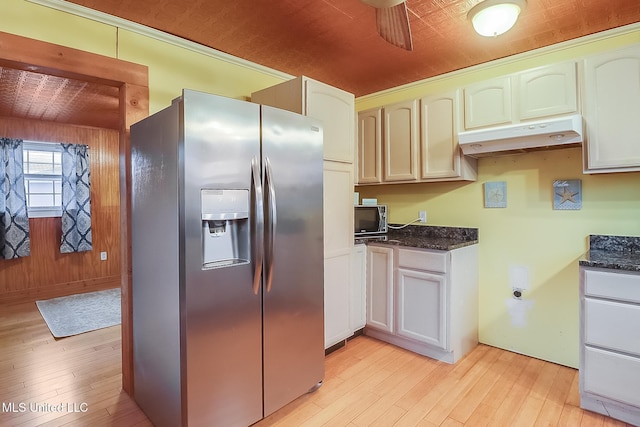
[(334, 41)]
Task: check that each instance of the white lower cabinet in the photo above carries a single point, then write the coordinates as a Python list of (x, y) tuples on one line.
[(424, 300), (610, 343), (380, 287), (337, 319), (358, 302), (345, 294)]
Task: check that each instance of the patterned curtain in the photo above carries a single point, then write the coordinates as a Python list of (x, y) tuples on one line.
[(76, 199), (14, 221)]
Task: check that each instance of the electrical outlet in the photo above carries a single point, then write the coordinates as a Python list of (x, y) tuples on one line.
[(103, 256), (423, 216)]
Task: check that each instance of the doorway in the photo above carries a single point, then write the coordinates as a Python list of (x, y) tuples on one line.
[(127, 101)]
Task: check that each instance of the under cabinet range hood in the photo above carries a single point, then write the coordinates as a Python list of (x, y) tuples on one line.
[(559, 132)]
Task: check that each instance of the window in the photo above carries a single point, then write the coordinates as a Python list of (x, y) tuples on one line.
[(43, 178)]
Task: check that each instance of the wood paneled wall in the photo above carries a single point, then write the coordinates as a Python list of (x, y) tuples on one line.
[(47, 273)]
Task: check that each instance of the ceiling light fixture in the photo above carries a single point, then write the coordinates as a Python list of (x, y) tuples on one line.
[(491, 18)]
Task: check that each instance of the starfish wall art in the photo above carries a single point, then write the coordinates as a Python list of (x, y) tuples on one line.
[(567, 194)]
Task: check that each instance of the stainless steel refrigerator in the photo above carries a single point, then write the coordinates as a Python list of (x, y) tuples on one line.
[(227, 261)]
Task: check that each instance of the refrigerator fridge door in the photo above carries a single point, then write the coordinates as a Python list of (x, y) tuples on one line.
[(293, 295), (222, 321)]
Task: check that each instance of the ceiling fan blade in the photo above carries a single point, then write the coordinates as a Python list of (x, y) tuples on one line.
[(393, 25)]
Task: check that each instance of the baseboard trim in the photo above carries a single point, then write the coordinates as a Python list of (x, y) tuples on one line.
[(59, 290)]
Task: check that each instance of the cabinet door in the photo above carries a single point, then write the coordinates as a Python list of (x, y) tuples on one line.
[(612, 325), (547, 91), (380, 288), (337, 321), (439, 150), (401, 141), (338, 245), (488, 103), (336, 110), (370, 146), (358, 295), (613, 375), (338, 207), (611, 110), (421, 307)]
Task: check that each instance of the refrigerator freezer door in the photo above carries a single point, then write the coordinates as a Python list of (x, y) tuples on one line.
[(293, 306), (154, 207), (222, 321)]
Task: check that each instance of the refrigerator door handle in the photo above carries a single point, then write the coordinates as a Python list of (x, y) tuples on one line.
[(272, 221), (258, 236)]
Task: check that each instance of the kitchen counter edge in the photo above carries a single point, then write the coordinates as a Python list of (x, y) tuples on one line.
[(612, 252), (426, 237)]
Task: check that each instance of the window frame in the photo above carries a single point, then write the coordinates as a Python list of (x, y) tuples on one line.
[(47, 211)]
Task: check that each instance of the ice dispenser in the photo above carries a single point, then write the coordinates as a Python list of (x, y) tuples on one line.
[(225, 227)]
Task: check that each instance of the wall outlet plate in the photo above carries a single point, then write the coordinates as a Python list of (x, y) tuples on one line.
[(519, 277), (103, 256), (422, 215)]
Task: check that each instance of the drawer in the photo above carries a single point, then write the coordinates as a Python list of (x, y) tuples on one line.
[(421, 260), (605, 284), (612, 375), (612, 325)]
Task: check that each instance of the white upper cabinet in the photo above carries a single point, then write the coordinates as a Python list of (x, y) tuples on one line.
[(547, 91), (411, 141), (528, 95), (487, 103), (370, 146), (400, 141), (422, 307), (440, 154), (332, 106), (335, 108), (611, 109)]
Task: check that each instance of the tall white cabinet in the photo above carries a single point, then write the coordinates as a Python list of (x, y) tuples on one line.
[(335, 108)]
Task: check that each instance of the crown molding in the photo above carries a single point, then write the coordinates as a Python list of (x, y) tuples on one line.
[(559, 47), (94, 15)]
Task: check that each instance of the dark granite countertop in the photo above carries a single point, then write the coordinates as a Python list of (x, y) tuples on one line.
[(426, 237), (614, 252)]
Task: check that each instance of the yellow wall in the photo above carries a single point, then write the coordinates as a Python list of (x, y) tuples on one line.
[(171, 68), (528, 232)]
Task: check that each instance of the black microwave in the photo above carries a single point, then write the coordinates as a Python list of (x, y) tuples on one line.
[(370, 219)]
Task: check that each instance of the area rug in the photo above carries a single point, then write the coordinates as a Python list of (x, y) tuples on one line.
[(76, 314)]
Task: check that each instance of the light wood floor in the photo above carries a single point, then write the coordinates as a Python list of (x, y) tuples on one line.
[(367, 383)]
